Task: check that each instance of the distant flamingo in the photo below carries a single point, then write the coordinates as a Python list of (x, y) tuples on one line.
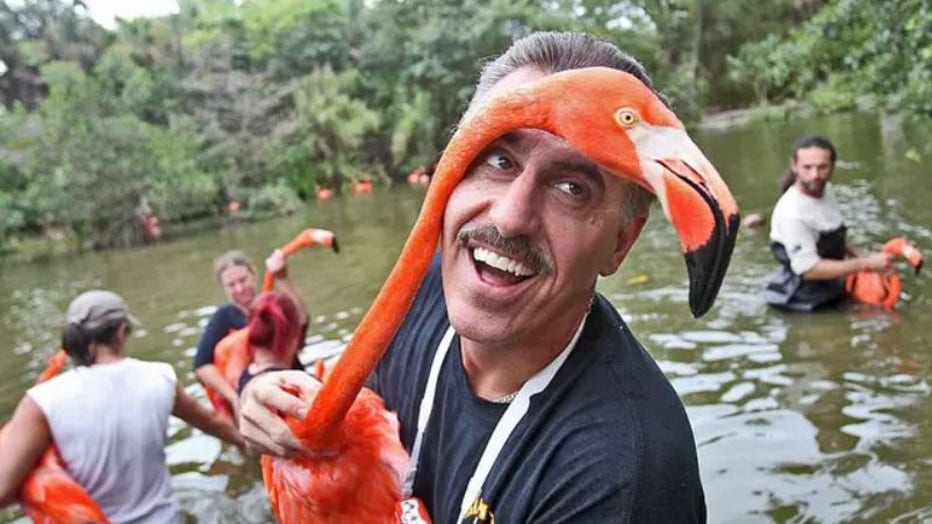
[(883, 289), (231, 355), (360, 187), (324, 193), (413, 176), (612, 118), (49, 495)]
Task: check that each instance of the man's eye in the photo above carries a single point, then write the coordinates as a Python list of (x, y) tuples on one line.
[(499, 161), (569, 188)]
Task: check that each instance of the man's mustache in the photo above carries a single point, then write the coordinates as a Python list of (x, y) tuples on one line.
[(519, 247)]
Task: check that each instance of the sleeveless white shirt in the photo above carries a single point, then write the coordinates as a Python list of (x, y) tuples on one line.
[(109, 422)]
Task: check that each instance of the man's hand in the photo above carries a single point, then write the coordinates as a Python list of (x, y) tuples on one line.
[(261, 426), (877, 262)]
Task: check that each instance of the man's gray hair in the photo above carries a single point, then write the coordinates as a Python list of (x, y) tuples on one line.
[(552, 52)]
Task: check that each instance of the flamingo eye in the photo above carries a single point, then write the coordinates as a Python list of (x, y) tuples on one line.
[(626, 117)]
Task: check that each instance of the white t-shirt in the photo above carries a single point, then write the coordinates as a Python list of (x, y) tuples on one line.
[(798, 220), (109, 422)]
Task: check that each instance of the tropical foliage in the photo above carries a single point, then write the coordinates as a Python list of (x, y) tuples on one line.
[(255, 104), (850, 50)]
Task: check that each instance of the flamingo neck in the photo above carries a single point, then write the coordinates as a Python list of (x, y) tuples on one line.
[(378, 327)]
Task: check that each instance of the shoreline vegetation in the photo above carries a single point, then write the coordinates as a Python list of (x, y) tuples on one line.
[(251, 109), (57, 243)]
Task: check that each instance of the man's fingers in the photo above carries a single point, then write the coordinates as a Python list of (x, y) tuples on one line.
[(275, 398), (263, 400), (259, 442), (267, 433)]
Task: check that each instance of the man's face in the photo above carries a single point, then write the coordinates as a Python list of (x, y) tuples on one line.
[(813, 168), (239, 284), (525, 235)]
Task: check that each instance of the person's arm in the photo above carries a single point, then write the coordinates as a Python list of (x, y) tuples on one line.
[(23, 441), (209, 375), (204, 368), (208, 421), (800, 242), (262, 400), (827, 269), (853, 250)]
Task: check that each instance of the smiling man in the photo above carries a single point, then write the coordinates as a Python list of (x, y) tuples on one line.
[(537, 403), (808, 234)]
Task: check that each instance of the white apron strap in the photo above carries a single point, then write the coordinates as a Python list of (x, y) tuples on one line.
[(506, 425), (427, 405)]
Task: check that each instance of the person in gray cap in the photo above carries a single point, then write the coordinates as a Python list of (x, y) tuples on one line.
[(108, 417)]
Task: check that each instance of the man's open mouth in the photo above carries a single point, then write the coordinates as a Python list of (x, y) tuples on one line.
[(499, 270)]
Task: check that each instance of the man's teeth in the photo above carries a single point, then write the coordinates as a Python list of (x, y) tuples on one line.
[(500, 262)]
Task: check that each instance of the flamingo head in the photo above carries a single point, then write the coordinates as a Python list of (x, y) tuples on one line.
[(901, 247), (623, 126)]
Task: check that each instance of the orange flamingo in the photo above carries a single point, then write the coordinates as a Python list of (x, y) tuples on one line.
[(49, 495), (609, 116), (231, 355), (883, 289), (361, 186)]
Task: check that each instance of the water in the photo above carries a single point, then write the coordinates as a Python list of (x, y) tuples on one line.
[(798, 418)]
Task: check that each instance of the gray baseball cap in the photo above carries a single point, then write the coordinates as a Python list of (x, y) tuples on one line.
[(94, 309)]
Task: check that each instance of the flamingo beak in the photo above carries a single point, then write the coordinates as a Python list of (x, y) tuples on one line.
[(697, 202)]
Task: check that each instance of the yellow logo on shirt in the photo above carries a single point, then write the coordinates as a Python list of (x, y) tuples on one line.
[(479, 513)]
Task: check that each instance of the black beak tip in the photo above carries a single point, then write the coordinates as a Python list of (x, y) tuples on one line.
[(919, 266), (335, 246), (700, 307), (707, 265)]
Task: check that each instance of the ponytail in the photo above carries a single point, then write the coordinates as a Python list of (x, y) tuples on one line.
[(77, 344), (80, 343), (788, 178)]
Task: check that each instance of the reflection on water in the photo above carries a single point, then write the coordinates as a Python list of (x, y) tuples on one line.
[(798, 418)]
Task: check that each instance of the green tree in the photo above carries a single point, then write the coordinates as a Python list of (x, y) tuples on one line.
[(37, 32), (319, 143), (849, 49)]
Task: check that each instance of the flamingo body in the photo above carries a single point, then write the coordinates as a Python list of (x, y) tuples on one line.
[(56, 364), (359, 481), (49, 495), (231, 356), (363, 186), (883, 289)]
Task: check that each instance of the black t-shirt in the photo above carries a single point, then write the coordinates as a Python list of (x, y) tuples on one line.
[(607, 441), (225, 319)]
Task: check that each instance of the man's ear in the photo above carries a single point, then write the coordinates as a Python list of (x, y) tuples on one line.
[(628, 234)]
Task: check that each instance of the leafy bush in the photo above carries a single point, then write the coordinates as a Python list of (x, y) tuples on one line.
[(849, 48), (273, 199)]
